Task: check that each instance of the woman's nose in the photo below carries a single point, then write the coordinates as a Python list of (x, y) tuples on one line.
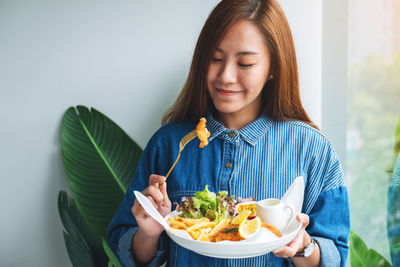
[(228, 73)]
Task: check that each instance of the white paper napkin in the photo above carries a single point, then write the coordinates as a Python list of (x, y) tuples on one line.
[(295, 194)]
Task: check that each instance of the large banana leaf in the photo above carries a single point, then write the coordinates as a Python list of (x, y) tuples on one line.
[(113, 261), (362, 256), (83, 247), (99, 160)]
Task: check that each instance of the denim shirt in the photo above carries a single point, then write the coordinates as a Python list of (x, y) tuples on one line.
[(260, 160)]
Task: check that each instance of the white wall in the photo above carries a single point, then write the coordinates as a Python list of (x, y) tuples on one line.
[(305, 19), (334, 74), (127, 59)]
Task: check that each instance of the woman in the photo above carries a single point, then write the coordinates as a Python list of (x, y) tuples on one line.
[(244, 79)]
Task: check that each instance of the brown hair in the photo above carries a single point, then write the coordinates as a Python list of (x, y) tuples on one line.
[(281, 95)]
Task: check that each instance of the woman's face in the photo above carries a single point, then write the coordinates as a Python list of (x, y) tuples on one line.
[(238, 71)]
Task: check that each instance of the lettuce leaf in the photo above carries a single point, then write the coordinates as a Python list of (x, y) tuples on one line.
[(207, 204), (206, 198)]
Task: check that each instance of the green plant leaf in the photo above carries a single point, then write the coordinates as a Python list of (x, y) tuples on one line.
[(113, 261), (99, 160), (397, 139), (78, 253), (361, 256), (84, 249)]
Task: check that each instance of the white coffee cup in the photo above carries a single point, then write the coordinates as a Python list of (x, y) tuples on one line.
[(273, 211)]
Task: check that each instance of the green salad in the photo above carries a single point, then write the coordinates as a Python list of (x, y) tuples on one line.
[(208, 204)]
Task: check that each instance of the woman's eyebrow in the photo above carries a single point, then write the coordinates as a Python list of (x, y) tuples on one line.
[(242, 53), (245, 53)]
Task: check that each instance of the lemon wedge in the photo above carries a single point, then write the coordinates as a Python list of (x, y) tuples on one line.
[(248, 228), (241, 217)]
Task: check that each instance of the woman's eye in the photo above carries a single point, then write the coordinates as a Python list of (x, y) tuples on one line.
[(245, 65), (217, 59)]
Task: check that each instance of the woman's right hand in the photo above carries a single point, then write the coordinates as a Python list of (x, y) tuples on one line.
[(158, 196)]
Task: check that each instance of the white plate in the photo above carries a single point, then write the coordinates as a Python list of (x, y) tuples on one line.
[(264, 242)]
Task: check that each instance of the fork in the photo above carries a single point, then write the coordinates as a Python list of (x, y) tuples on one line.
[(184, 141)]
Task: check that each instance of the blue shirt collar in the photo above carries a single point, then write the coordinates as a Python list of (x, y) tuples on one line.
[(251, 133)]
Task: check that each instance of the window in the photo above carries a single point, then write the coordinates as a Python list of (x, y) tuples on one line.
[(373, 110)]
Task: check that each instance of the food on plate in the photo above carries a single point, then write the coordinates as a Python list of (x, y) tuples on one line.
[(241, 217), (229, 232), (212, 217), (248, 228), (202, 132), (207, 204), (273, 229), (249, 206)]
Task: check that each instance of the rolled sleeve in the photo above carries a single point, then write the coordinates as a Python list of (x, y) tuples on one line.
[(120, 235), (124, 250), (330, 226), (329, 254)]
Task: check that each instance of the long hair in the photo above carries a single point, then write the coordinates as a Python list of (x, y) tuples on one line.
[(280, 95)]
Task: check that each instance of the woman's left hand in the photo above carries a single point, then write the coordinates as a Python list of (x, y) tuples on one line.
[(301, 240)]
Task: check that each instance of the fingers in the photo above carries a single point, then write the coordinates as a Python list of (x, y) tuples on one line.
[(153, 192), (298, 242), (156, 179), (138, 210), (147, 225), (303, 219), (159, 182), (286, 252), (157, 196), (163, 190), (290, 249)]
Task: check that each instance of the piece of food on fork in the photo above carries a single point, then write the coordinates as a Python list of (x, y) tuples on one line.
[(202, 132)]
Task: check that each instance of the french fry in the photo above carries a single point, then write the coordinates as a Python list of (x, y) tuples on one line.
[(176, 224), (200, 225), (208, 229), (203, 235), (194, 234), (190, 221), (199, 229), (218, 227), (174, 230)]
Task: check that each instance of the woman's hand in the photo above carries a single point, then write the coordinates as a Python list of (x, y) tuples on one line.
[(147, 225), (301, 240)]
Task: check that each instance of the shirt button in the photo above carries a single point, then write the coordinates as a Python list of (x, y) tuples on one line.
[(231, 134), (228, 165)]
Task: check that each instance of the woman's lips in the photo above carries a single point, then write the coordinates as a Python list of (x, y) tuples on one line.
[(226, 92)]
